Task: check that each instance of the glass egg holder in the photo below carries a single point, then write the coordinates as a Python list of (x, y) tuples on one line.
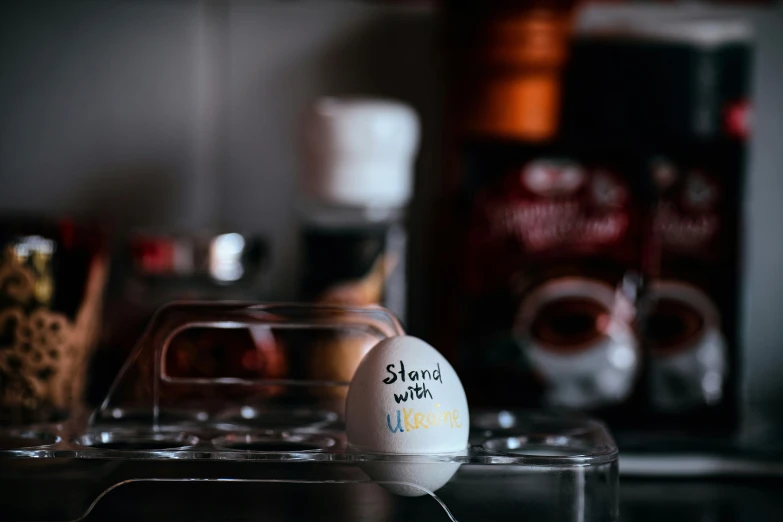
[(250, 425)]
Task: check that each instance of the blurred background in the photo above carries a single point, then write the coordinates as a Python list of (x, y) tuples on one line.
[(578, 203)]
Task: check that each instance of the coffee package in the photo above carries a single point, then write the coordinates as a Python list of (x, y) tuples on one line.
[(551, 274), (688, 319)]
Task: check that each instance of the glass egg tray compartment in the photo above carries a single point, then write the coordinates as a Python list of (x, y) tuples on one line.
[(267, 441)]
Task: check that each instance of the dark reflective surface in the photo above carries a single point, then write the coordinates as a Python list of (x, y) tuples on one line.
[(701, 500)]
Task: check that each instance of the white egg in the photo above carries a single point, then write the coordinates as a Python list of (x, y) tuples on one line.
[(406, 399)]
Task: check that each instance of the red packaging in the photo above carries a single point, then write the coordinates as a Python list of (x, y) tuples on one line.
[(552, 249)]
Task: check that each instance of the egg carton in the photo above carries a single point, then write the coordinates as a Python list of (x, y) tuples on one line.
[(193, 432)]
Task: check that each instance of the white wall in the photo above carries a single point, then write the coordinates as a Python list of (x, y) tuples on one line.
[(762, 319), (96, 109)]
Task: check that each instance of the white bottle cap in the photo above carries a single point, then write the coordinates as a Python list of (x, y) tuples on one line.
[(360, 152)]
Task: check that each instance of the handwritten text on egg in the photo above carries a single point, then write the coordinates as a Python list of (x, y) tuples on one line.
[(413, 420), (410, 419), (417, 391)]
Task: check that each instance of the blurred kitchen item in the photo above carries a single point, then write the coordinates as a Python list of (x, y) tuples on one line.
[(694, 258), (659, 79), (643, 179), (550, 257), (336, 359), (511, 55), (156, 268), (676, 90), (688, 351), (578, 334), (357, 180), (546, 294), (52, 276), (522, 99), (690, 312), (234, 353), (204, 263)]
